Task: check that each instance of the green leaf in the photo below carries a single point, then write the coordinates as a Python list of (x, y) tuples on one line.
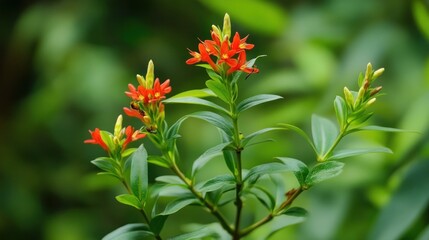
[(171, 179), (277, 224), (201, 233), (213, 75), (248, 138), (106, 164), (324, 133), (217, 182), (139, 174), (264, 197), (268, 168), (300, 132), (215, 119), (107, 138), (424, 235), (130, 200), (355, 152), (340, 110), (379, 128), (407, 204), (296, 211), (157, 223), (132, 231), (421, 17), (256, 100), (128, 152), (198, 93), (207, 156), (197, 101), (299, 169), (179, 203), (323, 171), (158, 160), (219, 90)]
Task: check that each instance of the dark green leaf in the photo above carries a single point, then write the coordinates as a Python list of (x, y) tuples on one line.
[(424, 235), (297, 167), (340, 110), (130, 200), (407, 203), (216, 183), (201, 233), (207, 156), (197, 101), (296, 211), (121, 233), (179, 203), (264, 196), (260, 170), (219, 89), (323, 171), (139, 174), (256, 100), (324, 133), (157, 223), (215, 119), (354, 152)]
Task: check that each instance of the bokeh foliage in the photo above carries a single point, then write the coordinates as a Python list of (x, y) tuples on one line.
[(66, 64)]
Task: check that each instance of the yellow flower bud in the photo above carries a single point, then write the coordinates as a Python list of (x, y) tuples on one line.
[(118, 127), (368, 72), (370, 102), (348, 97), (150, 75), (360, 96), (216, 31), (377, 73), (226, 31), (141, 80)]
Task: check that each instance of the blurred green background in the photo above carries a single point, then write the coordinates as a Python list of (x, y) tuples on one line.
[(65, 65)]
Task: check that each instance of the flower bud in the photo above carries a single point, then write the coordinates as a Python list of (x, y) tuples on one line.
[(118, 127), (375, 91), (370, 102), (377, 73), (348, 97), (368, 71), (360, 96), (216, 31), (141, 80), (226, 30), (150, 75)]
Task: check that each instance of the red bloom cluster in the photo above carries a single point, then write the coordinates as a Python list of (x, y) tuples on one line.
[(233, 54)]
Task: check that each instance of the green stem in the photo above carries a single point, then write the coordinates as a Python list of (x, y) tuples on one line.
[(343, 133), (276, 212)]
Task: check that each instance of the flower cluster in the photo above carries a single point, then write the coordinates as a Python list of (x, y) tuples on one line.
[(117, 142), (230, 56), (146, 102)]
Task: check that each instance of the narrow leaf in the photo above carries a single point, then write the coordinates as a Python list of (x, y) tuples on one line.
[(260, 170), (215, 119), (158, 160), (323, 171), (207, 156), (171, 179), (300, 132), (340, 110), (130, 200), (119, 232), (296, 211), (324, 133), (256, 100), (197, 101), (198, 93), (201, 233), (355, 152), (177, 204), (217, 182), (106, 164), (383, 129), (139, 174), (299, 169), (248, 138), (264, 197)]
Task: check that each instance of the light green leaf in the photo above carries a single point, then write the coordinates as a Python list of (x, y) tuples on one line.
[(264, 197), (158, 160), (217, 120), (323, 171), (219, 90), (379, 128), (354, 152), (268, 168), (130, 200), (248, 138), (300, 132), (299, 169), (407, 203), (277, 224), (340, 110), (198, 93), (201, 233), (106, 164), (324, 133), (421, 16), (207, 156), (130, 232), (296, 211), (139, 174), (128, 152), (217, 182), (256, 100), (179, 203), (171, 179), (197, 101)]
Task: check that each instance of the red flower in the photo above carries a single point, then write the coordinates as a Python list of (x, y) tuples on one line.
[(242, 66), (159, 90), (96, 139), (240, 44), (203, 56), (134, 113), (131, 136), (226, 54), (139, 94)]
